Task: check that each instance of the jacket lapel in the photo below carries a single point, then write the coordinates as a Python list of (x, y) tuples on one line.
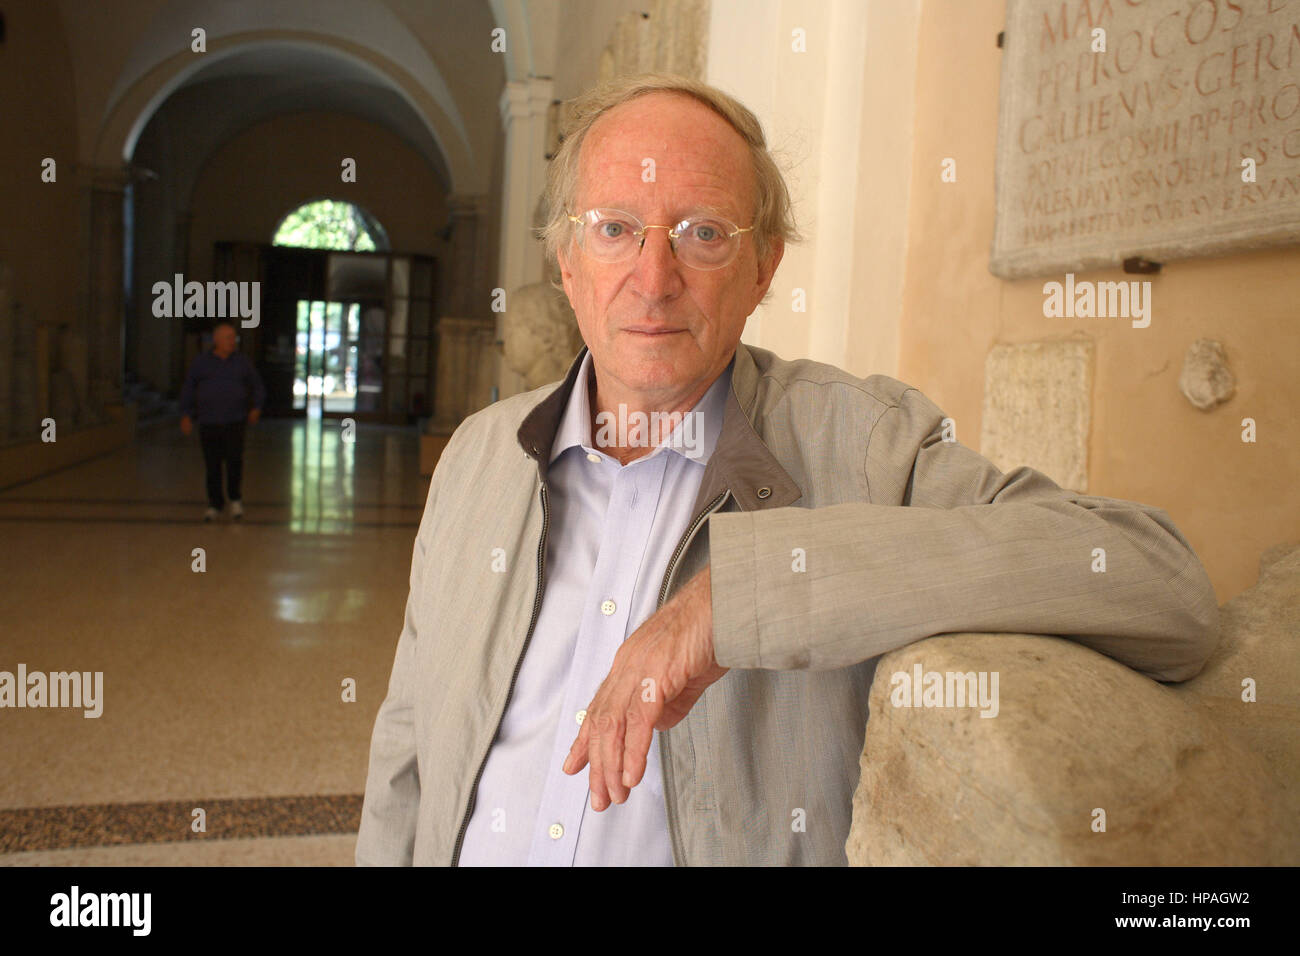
[(740, 462)]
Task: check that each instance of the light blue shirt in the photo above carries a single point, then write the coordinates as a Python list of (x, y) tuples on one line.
[(612, 531)]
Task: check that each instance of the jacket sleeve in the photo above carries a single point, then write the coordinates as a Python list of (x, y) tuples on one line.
[(973, 550), (390, 809)]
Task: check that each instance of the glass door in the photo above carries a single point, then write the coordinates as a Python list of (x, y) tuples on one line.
[(326, 358)]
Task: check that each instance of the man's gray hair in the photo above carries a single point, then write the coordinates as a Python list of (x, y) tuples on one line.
[(773, 217)]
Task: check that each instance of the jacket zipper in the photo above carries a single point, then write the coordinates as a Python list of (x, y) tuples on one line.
[(665, 764), (537, 606)]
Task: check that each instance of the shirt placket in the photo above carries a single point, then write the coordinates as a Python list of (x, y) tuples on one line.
[(629, 516)]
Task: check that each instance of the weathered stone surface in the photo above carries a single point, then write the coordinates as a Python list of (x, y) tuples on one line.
[(1206, 380), (1037, 408), (670, 37), (467, 367), (1188, 774), (541, 334), (1137, 149)]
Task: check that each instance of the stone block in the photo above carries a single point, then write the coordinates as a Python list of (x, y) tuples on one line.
[(1188, 774), (1037, 409)]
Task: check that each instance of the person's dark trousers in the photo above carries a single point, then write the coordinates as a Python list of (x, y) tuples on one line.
[(223, 443)]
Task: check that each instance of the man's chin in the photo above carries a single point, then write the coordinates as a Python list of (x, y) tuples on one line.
[(650, 374)]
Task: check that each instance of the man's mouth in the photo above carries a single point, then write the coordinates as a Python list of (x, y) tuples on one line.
[(651, 330)]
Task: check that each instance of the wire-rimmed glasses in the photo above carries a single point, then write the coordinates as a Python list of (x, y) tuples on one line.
[(704, 241)]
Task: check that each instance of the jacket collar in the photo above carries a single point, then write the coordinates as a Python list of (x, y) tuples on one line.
[(740, 461)]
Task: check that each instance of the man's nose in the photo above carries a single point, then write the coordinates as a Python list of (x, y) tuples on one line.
[(656, 274)]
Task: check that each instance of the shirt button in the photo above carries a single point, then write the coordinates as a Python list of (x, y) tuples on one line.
[(592, 456), (580, 716), (607, 607), (556, 831)]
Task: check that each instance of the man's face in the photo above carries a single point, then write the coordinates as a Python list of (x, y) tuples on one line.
[(660, 330), (223, 339)]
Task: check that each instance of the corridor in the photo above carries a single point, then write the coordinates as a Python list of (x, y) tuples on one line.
[(222, 689)]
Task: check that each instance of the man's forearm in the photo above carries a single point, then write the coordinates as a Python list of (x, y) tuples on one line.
[(879, 577)]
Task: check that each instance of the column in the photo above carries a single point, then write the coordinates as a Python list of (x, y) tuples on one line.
[(524, 105), (469, 291), (105, 304)]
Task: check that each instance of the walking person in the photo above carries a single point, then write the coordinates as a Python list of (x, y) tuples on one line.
[(222, 392)]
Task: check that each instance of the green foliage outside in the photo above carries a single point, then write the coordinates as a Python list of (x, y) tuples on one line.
[(330, 224)]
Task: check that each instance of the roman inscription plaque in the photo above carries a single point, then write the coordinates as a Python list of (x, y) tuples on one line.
[(1154, 128)]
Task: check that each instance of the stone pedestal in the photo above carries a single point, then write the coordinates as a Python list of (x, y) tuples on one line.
[(467, 361), (1191, 774)]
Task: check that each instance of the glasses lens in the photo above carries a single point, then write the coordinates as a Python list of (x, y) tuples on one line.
[(701, 242), (705, 243), (609, 235)]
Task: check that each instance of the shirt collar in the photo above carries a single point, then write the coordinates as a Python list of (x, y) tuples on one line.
[(741, 464), (694, 441)]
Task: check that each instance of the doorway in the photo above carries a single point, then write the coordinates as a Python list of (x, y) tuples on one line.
[(326, 353), (342, 334)]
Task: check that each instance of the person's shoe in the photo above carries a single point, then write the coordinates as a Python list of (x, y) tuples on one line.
[(236, 510), (211, 514)]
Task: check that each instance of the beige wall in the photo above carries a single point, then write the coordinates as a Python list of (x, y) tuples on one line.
[(838, 117), (1230, 499), (276, 165), (41, 231)]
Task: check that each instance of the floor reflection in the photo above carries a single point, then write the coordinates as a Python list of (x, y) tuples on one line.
[(314, 476)]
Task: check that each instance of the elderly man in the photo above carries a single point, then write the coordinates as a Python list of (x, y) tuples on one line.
[(223, 391), (649, 639)]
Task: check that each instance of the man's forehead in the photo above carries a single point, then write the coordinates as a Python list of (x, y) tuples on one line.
[(674, 149)]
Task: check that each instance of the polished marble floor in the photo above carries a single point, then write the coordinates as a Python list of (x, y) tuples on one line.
[(222, 689)]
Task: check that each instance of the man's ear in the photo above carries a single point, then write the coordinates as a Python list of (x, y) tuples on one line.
[(566, 276), (767, 269)]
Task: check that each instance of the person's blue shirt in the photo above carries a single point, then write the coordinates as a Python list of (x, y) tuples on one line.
[(220, 391)]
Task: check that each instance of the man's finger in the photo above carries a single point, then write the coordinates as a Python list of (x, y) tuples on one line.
[(577, 758), (596, 773), (641, 717), (611, 751)]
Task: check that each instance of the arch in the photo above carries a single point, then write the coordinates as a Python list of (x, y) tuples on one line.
[(137, 102)]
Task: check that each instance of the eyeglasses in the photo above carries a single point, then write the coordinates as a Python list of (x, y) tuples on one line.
[(704, 242)]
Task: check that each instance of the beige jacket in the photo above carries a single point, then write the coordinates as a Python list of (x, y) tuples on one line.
[(902, 536)]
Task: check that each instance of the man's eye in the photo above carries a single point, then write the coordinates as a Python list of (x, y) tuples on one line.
[(610, 229), (706, 232)]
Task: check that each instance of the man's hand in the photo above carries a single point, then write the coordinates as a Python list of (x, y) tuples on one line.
[(187, 426), (253, 416), (658, 675)]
